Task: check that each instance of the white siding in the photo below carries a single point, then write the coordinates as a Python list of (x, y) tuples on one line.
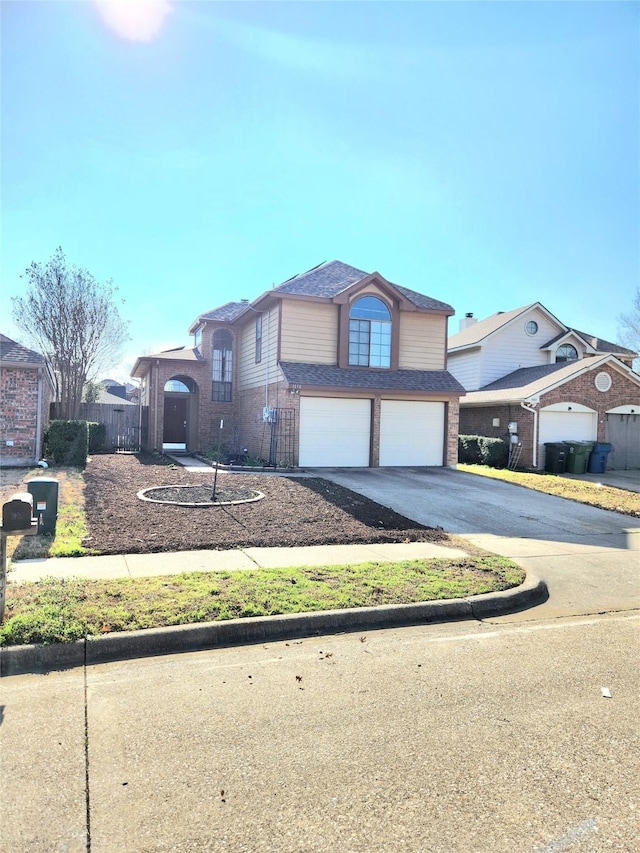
[(309, 332), (251, 374), (422, 341), (512, 348), (465, 367)]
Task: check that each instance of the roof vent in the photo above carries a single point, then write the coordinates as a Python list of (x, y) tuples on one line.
[(244, 301)]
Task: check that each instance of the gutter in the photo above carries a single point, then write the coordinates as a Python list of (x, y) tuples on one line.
[(532, 408)]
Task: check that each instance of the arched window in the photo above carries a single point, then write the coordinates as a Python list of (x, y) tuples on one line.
[(222, 376), (177, 386), (370, 333), (566, 352)]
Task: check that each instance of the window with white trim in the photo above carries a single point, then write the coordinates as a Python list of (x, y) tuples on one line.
[(566, 352)]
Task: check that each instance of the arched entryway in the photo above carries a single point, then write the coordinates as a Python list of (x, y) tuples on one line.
[(179, 408)]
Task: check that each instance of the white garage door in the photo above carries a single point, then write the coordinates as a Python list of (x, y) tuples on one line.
[(411, 433), (567, 426), (334, 432)]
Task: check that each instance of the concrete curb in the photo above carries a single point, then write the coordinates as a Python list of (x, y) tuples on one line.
[(18, 660)]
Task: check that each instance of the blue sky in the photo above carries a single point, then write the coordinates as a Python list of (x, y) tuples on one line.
[(486, 154)]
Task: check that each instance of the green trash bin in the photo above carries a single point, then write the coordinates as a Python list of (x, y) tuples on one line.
[(45, 503), (578, 453), (555, 457)]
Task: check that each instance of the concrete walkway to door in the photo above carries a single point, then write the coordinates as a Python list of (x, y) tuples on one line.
[(590, 558)]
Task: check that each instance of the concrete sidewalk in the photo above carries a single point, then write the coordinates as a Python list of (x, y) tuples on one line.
[(147, 565)]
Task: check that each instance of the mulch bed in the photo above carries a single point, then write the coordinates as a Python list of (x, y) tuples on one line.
[(294, 511)]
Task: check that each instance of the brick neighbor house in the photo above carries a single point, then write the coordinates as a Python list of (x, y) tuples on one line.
[(334, 367), (555, 383), (26, 390)]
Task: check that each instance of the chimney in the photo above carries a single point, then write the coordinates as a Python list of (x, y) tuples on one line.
[(467, 320)]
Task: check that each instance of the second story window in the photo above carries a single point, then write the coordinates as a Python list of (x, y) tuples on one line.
[(222, 375), (566, 352), (197, 338), (258, 338), (369, 333)]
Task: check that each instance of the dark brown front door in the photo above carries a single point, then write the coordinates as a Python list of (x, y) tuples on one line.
[(175, 420)]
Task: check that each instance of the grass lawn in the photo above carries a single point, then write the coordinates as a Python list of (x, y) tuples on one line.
[(58, 610), (582, 491)]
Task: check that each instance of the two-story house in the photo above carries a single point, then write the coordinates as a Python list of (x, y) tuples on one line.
[(334, 367), (553, 383)]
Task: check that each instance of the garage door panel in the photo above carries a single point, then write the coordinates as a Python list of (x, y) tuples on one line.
[(566, 426), (411, 433), (334, 432), (622, 431)]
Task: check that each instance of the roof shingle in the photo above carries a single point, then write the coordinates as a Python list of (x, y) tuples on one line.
[(329, 376)]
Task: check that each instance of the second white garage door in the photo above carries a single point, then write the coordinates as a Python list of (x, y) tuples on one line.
[(334, 432), (411, 433)]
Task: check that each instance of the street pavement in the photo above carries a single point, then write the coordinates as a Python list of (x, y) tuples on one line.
[(453, 738)]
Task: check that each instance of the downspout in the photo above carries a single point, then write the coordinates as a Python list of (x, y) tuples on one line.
[(36, 453), (533, 409), (155, 420)]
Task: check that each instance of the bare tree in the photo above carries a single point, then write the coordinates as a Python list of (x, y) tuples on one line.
[(629, 325), (73, 321)]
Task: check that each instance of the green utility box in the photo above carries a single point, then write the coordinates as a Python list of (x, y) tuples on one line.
[(45, 503), (578, 453), (555, 457)]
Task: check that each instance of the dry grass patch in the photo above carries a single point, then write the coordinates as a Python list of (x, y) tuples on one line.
[(582, 491)]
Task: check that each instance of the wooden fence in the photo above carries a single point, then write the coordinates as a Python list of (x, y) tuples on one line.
[(123, 423)]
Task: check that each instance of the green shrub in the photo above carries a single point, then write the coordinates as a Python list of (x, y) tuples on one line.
[(97, 437), (483, 450), (494, 452), (469, 449), (67, 443)]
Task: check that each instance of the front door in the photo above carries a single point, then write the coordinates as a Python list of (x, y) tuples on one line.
[(175, 420)]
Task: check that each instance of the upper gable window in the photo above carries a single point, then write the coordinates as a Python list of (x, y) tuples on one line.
[(369, 333), (222, 375), (566, 352), (531, 327), (197, 338)]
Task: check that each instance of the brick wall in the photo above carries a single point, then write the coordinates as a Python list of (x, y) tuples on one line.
[(19, 414), (479, 420)]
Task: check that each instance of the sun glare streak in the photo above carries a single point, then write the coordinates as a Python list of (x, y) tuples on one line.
[(134, 20)]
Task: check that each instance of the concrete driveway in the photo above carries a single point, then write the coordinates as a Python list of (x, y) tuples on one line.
[(589, 557)]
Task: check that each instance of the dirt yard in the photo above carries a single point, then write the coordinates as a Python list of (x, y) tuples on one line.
[(294, 511)]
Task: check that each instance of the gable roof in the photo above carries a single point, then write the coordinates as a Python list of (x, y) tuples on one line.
[(474, 334), (325, 281), (185, 354), (226, 313), (334, 277), (329, 376), (12, 352), (529, 382), (600, 345)]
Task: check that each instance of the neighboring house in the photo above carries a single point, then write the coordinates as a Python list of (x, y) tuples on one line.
[(334, 367), (556, 383), (119, 389), (26, 390)]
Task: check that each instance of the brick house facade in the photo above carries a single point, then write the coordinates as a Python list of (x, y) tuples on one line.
[(567, 386), (26, 390), (335, 366)]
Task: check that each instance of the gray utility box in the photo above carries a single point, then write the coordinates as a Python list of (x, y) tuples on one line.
[(45, 503)]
